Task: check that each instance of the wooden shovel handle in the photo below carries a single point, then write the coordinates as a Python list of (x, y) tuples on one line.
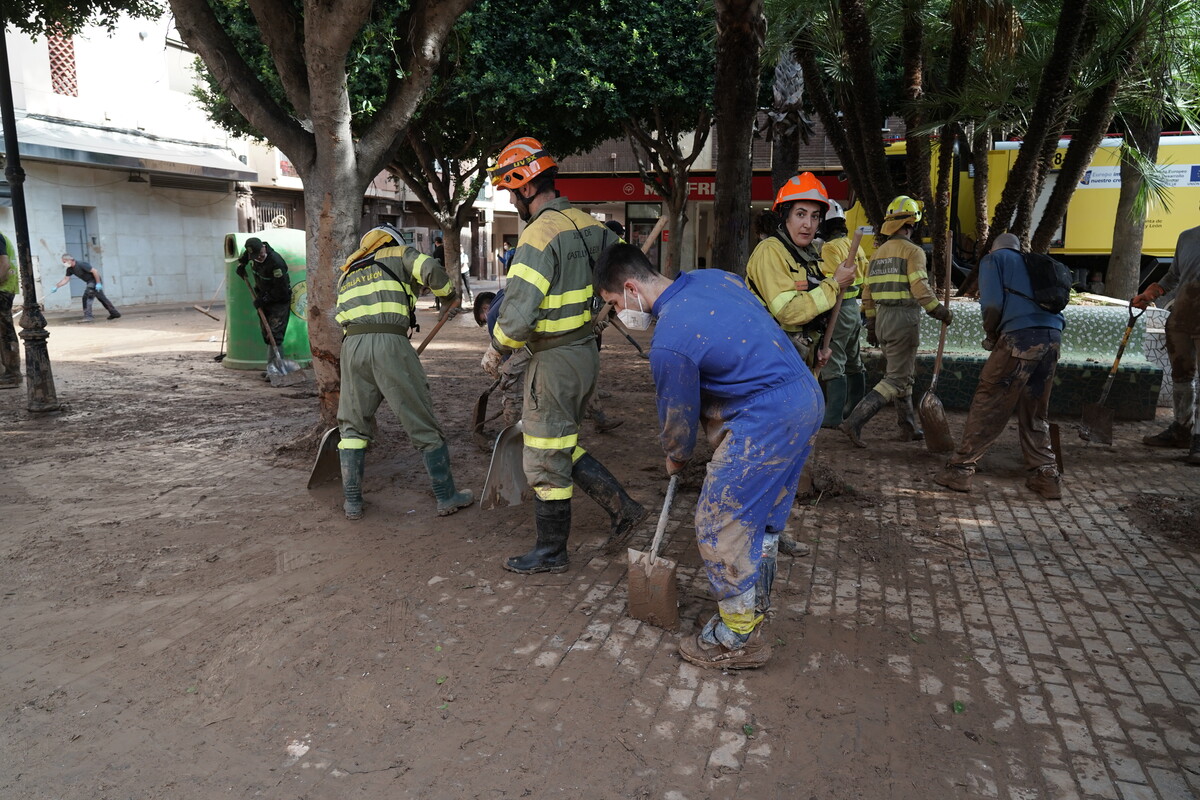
[(663, 517), (421, 347), (837, 307)]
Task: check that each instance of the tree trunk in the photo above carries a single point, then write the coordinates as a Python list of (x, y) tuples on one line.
[(981, 146), (1056, 76), (740, 29), (1123, 276), (941, 207), (785, 157), (864, 109), (917, 157)]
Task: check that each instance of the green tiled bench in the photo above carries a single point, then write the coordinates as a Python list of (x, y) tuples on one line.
[(1089, 346)]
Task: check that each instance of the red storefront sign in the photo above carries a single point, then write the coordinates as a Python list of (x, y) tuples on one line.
[(700, 189)]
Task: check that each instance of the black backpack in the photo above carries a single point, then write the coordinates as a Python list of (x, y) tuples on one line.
[(1050, 280)]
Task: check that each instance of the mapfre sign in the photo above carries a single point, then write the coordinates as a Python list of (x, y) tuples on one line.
[(700, 189)]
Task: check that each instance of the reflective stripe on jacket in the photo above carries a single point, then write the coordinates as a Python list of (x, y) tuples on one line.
[(549, 289), (896, 277), (834, 252), (772, 274), (368, 294)]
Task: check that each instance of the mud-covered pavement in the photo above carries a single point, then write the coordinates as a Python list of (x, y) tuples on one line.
[(182, 619)]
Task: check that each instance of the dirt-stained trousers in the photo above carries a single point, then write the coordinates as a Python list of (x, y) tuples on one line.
[(1018, 374), (845, 342), (1183, 352), (746, 498), (378, 367), (558, 384), (898, 329)]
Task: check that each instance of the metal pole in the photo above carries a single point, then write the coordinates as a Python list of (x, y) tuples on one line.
[(39, 380)]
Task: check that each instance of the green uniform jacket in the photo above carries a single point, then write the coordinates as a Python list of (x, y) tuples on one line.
[(369, 295), (896, 277), (549, 291)]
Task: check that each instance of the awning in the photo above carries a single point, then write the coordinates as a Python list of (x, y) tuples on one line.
[(63, 141)]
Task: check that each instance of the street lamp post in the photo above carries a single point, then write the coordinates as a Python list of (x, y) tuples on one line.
[(39, 380)]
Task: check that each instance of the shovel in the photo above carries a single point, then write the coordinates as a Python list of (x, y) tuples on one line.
[(930, 409), (506, 484), (280, 371), (1097, 423), (327, 467), (653, 591), (817, 366)]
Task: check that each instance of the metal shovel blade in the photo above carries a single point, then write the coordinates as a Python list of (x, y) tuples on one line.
[(479, 415), (1097, 424), (282, 371), (327, 467), (933, 420), (653, 594), (653, 590), (506, 484)]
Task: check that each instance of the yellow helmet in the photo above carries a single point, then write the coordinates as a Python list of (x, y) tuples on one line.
[(519, 162), (900, 212)]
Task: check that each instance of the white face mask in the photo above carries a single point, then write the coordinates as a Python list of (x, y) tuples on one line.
[(634, 320)]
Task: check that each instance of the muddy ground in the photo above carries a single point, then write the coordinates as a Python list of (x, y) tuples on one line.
[(182, 619)]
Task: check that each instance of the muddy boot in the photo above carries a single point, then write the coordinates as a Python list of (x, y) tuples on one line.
[(954, 478), (835, 401), (552, 519), (1175, 435), (862, 412), (352, 473), (906, 418), (1046, 482), (437, 464), (701, 651), (856, 390), (603, 423), (790, 547), (1193, 456), (600, 485)]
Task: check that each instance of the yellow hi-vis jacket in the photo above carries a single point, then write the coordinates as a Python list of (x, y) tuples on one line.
[(834, 252), (549, 289), (773, 272), (369, 294), (896, 277)]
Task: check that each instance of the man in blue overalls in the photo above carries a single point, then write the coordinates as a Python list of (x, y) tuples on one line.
[(720, 360)]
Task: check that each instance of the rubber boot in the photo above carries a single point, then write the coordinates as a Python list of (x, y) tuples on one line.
[(600, 485), (603, 423), (1193, 456), (862, 412), (835, 401), (437, 464), (906, 418), (552, 519), (856, 390), (352, 474)]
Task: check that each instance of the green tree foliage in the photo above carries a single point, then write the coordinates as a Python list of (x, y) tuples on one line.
[(68, 17)]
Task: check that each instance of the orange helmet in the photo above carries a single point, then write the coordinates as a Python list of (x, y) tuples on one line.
[(519, 162), (804, 186)]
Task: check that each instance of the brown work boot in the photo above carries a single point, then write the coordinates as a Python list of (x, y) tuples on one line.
[(1046, 482), (954, 479), (1175, 435), (753, 654), (790, 547)]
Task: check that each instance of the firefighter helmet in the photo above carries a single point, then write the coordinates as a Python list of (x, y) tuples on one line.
[(904, 206), (519, 162), (804, 186)]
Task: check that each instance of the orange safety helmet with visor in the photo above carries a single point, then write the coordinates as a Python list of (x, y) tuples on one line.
[(519, 162)]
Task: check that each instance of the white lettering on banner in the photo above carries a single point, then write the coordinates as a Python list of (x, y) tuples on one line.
[(1173, 176)]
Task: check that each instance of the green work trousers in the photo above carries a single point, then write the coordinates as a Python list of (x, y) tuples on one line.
[(899, 333), (558, 384), (845, 343), (378, 367)]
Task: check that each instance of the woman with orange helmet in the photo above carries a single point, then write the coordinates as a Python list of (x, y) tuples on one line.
[(785, 268)]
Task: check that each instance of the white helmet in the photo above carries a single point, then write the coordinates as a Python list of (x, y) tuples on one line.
[(835, 210)]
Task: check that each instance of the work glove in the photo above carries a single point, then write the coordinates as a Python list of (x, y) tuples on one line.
[(872, 339), (99, 287), (491, 362), (241, 270), (942, 314), (1152, 293), (988, 344), (53, 289)]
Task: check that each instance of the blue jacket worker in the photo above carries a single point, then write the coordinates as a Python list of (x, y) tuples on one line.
[(721, 362)]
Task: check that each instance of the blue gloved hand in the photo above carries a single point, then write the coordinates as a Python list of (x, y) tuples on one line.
[(99, 287), (53, 289)]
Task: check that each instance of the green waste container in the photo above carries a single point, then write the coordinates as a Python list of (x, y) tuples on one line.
[(245, 349)]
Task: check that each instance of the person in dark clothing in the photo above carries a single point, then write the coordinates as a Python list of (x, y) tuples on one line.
[(438, 252), (95, 288), (272, 287)]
